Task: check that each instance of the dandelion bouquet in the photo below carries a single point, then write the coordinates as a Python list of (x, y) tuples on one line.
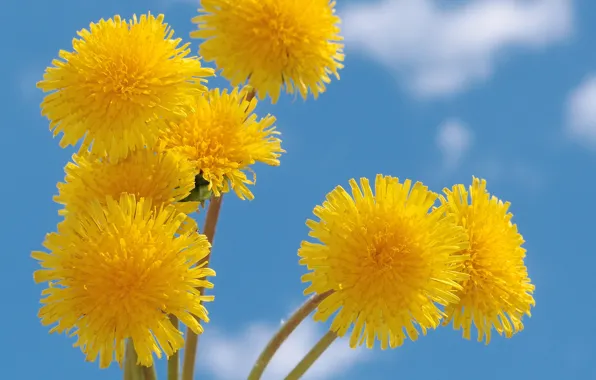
[(127, 270)]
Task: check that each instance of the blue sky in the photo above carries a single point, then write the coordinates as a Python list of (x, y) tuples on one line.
[(435, 91)]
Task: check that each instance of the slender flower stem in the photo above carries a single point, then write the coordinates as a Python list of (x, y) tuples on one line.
[(131, 370), (192, 339), (211, 223), (283, 333), (312, 356), (174, 360), (149, 373)]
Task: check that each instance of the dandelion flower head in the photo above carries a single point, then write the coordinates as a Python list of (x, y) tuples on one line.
[(120, 80), (164, 178), (387, 258), (498, 291), (117, 271), (223, 138), (273, 43)]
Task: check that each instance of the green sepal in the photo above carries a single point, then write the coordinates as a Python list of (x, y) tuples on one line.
[(201, 193)]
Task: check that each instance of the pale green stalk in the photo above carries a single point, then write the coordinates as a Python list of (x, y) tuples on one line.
[(283, 333), (131, 370), (192, 339), (174, 360), (312, 356), (149, 373)]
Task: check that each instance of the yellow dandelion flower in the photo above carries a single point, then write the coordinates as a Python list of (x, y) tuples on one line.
[(273, 43), (387, 257), (164, 178), (223, 138), (498, 291), (120, 80), (117, 271)]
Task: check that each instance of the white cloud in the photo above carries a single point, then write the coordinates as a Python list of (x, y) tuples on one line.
[(454, 140), (26, 82), (516, 173), (440, 50), (581, 112), (230, 356)]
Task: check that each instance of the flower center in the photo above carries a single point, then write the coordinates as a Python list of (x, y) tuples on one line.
[(382, 250), (126, 275), (393, 258), (278, 31), (122, 80)]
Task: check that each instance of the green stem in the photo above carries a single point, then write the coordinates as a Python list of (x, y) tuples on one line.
[(131, 370), (174, 360), (312, 356), (149, 373), (283, 333), (190, 353), (192, 339)]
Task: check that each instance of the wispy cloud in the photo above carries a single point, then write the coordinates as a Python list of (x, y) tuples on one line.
[(230, 356), (26, 83), (581, 112), (168, 3), (514, 173), (441, 50), (453, 140)]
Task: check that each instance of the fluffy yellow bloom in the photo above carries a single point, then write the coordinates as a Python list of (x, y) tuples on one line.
[(163, 178), (387, 257), (498, 291), (117, 84), (273, 43), (223, 137), (116, 271)]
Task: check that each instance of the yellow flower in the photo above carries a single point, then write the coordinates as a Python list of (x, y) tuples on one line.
[(163, 178), (272, 43), (498, 292), (116, 271), (223, 138), (387, 259), (121, 79)]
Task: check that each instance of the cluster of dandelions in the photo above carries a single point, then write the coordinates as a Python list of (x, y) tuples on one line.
[(127, 265)]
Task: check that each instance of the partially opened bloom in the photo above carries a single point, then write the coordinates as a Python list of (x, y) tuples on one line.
[(273, 43), (223, 138), (498, 291), (117, 271), (387, 257), (162, 178), (117, 84)]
